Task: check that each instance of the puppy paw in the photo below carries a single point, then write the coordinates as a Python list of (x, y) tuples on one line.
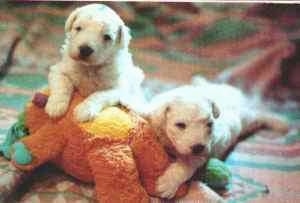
[(135, 104), (55, 107), (84, 112), (167, 185), (281, 127)]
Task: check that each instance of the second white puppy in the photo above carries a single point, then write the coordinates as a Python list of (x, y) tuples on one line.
[(194, 122), (95, 61)]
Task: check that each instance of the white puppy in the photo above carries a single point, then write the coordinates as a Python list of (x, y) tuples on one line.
[(194, 122), (95, 61)]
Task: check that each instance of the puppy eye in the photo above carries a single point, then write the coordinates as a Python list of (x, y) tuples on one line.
[(180, 125), (107, 37), (209, 124), (78, 28)]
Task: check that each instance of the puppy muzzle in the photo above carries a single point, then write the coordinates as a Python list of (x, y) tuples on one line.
[(198, 149), (85, 51)]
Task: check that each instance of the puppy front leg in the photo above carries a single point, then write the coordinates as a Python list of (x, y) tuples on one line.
[(61, 89), (92, 105), (175, 175)]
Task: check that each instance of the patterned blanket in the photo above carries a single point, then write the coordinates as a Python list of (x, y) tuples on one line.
[(265, 167)]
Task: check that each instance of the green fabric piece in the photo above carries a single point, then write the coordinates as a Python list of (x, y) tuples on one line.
[(14, 101), (25, 81), (226, 29), (15, 132), (21, 154), (217, 174)]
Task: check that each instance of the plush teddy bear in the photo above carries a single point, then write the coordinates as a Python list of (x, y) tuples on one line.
[(118, 151)]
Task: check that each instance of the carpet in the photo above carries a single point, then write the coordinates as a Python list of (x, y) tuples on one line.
[(265, 167)]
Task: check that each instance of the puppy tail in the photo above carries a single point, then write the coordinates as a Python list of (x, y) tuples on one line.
[(268, 121)]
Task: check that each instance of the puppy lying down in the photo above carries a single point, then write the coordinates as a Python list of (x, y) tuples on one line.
[(196, 121)]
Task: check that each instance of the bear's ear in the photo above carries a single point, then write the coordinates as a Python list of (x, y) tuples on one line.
[(123, 37), (70, 20)]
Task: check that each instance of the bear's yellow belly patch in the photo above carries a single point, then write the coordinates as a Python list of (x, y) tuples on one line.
[(112, 122)]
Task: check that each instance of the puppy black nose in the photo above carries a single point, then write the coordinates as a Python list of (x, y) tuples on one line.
[(197, 149), (85, 51)]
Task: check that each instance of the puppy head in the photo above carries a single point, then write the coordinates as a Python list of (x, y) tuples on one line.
[(187, 125), (95, 33)]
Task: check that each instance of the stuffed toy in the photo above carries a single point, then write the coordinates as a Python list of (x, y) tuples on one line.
[(118, 151)]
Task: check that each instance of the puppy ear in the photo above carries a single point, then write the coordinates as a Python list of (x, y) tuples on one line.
[(159, 115), (123, 37), (215, 110), (70, 20)]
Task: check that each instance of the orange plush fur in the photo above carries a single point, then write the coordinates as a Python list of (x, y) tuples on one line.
[(124, 169)]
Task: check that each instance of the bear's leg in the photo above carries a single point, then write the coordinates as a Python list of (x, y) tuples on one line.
[(116, 176), (28, 122), (43, 145), (35, 118)]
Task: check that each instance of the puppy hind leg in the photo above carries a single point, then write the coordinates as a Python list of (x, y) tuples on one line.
[(275, 123), (266, 121)]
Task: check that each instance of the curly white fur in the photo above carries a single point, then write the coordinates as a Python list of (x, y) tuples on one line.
[(204, 114), (106, 76)]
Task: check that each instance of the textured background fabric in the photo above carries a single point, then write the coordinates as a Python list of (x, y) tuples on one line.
[(266, 167)]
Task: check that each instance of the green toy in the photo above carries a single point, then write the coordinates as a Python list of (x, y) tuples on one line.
[(217, 175), (16, 131)]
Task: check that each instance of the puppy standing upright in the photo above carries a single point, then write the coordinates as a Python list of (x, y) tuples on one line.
[(95, 61)]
